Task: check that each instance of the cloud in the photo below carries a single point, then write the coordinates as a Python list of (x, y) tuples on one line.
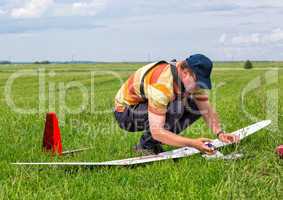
[(254, 38), (45, 24), (33, 8), (53, 8), (142, 26), (90, 7), (129, 8), (80, 8), (276, 35), (2, 12), (259, 4), (44, 15), (143, 8)]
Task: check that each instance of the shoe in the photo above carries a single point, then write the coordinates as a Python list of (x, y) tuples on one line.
[(156, 149)]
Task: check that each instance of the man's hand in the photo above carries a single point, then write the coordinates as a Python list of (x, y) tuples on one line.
[(228, 138), (201, 146)]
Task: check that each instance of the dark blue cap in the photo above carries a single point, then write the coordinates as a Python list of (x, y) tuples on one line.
[(202, 67)]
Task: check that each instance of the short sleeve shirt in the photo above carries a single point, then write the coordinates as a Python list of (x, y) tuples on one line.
[(159, 89)]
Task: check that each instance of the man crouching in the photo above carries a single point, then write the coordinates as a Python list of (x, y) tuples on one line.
[(162, 99)]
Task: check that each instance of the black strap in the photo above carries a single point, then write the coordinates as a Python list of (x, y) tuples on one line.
[(174, 72), (177, 79)]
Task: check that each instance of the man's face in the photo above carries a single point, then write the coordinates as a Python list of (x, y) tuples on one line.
[(189, 79)]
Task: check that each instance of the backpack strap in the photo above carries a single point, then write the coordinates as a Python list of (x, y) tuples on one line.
[(176, 78), (174, 72)]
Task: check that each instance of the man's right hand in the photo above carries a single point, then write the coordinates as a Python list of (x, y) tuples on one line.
[(200, 144), (156, 125)]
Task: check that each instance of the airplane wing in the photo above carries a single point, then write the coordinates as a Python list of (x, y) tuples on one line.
[(177, 153)]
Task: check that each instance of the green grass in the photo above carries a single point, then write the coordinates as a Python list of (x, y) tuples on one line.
[(259, 175)]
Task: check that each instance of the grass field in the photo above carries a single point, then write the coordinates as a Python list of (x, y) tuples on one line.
[(259, 175)]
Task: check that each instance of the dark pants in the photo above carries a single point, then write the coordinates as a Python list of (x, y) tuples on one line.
[(179, 115)]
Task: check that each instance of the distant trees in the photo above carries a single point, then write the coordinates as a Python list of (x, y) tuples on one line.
[(44, 62), (5, 62), (248, 65)]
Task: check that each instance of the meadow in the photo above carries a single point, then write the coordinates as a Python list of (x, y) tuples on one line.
[(82, 96)]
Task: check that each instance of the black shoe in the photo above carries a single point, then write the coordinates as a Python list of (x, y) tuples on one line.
[(156, 149)]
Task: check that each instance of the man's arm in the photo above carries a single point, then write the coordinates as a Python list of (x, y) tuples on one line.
[(210, 116), (156, 124)]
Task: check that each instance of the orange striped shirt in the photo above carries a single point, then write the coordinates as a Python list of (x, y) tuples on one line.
[(159, 89)]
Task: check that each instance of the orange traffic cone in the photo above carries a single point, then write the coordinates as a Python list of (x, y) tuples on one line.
[(52, 137)]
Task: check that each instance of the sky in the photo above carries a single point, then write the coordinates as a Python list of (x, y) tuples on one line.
[(140, 30)]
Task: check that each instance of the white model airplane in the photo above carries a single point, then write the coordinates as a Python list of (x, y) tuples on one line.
[(177, 153)]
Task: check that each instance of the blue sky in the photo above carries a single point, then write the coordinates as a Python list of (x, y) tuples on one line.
[(139, 30)]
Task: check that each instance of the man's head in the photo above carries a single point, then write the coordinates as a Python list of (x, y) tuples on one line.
[(195, 72)]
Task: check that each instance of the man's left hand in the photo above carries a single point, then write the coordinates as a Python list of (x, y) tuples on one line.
[(228, 138)]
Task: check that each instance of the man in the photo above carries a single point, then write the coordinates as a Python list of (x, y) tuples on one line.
[(163, 99)]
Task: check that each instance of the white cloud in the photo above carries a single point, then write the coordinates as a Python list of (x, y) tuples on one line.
[(274, 36), (261, 3), (35, 8), (248, 39), (248, 27), (88, 8), (2, 12), (80, 8), (32, 8)]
